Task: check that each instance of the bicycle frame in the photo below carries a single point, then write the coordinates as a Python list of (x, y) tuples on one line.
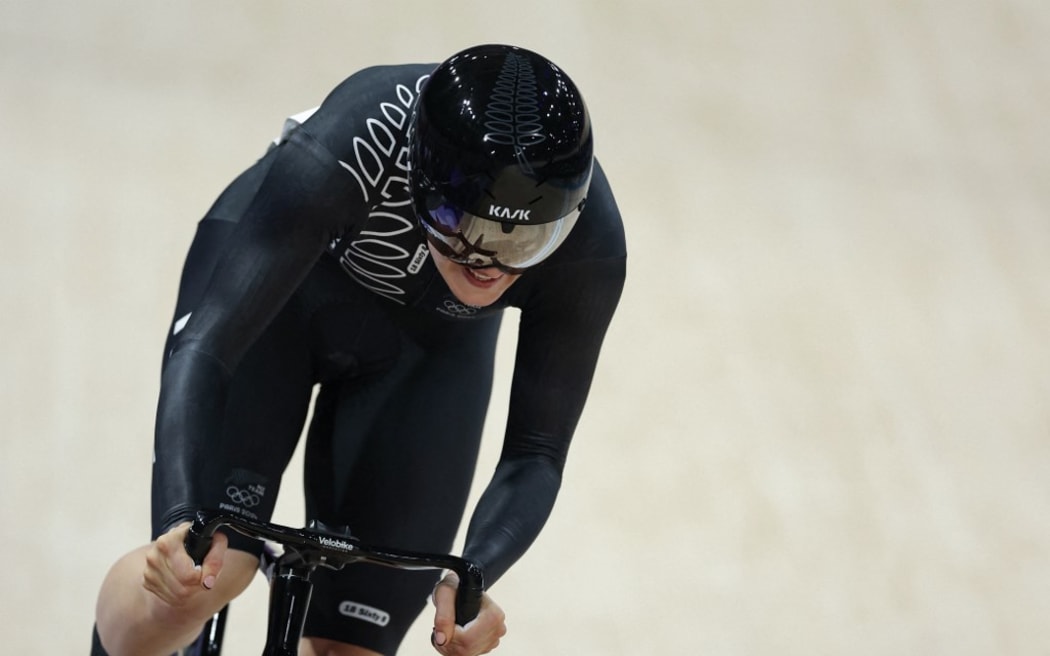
[(290, 587)]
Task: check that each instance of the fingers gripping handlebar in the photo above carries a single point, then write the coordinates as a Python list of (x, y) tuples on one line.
[(322, 550)]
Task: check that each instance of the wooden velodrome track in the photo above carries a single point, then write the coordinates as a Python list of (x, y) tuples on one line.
[(821, 422)]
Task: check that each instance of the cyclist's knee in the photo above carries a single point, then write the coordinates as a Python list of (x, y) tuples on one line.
[(238, 570), (130, 619)]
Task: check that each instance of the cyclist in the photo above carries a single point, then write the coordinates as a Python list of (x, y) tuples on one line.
[(372, 251)]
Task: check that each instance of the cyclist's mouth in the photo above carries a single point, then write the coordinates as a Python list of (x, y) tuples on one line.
[(476, 276)]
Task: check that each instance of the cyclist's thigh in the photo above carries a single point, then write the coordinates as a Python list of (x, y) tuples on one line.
[(394, 461), (267, 403)]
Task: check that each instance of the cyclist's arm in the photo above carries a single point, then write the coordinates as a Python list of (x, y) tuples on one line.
[(559, 342), (284, 221)]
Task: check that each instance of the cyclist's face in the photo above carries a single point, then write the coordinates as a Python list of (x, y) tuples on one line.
[(479, 287)]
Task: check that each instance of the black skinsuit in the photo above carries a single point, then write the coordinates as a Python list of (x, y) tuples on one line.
[(311, 269)]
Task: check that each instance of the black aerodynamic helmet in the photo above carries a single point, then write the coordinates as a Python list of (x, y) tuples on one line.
[(500, 157)]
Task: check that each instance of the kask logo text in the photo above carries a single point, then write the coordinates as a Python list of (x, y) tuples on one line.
[(500, 212)]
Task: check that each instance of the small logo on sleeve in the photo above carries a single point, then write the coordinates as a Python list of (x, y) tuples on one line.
[(419, 259)]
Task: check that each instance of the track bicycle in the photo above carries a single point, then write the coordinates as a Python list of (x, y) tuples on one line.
[(298, 553)]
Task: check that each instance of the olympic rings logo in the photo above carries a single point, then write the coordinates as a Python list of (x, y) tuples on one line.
[(243, 497), (453, 307)]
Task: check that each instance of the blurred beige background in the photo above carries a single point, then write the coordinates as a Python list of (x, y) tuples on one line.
[(821, 421)]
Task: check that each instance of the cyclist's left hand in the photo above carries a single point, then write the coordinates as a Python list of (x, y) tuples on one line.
[(479, 636)]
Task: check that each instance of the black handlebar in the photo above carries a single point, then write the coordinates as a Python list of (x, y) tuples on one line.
[(335, 551)]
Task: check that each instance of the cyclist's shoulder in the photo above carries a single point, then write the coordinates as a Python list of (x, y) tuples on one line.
[(599, 232), (591, 262), (399, 83), (397, 73), (382, 93)]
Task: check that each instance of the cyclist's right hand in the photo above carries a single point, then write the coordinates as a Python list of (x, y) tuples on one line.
[(170, 572), (480, 635)]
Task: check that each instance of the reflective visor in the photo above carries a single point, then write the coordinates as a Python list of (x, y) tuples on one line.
[(479, 242)]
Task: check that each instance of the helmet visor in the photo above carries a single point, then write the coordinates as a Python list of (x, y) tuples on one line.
[(478, 242)]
